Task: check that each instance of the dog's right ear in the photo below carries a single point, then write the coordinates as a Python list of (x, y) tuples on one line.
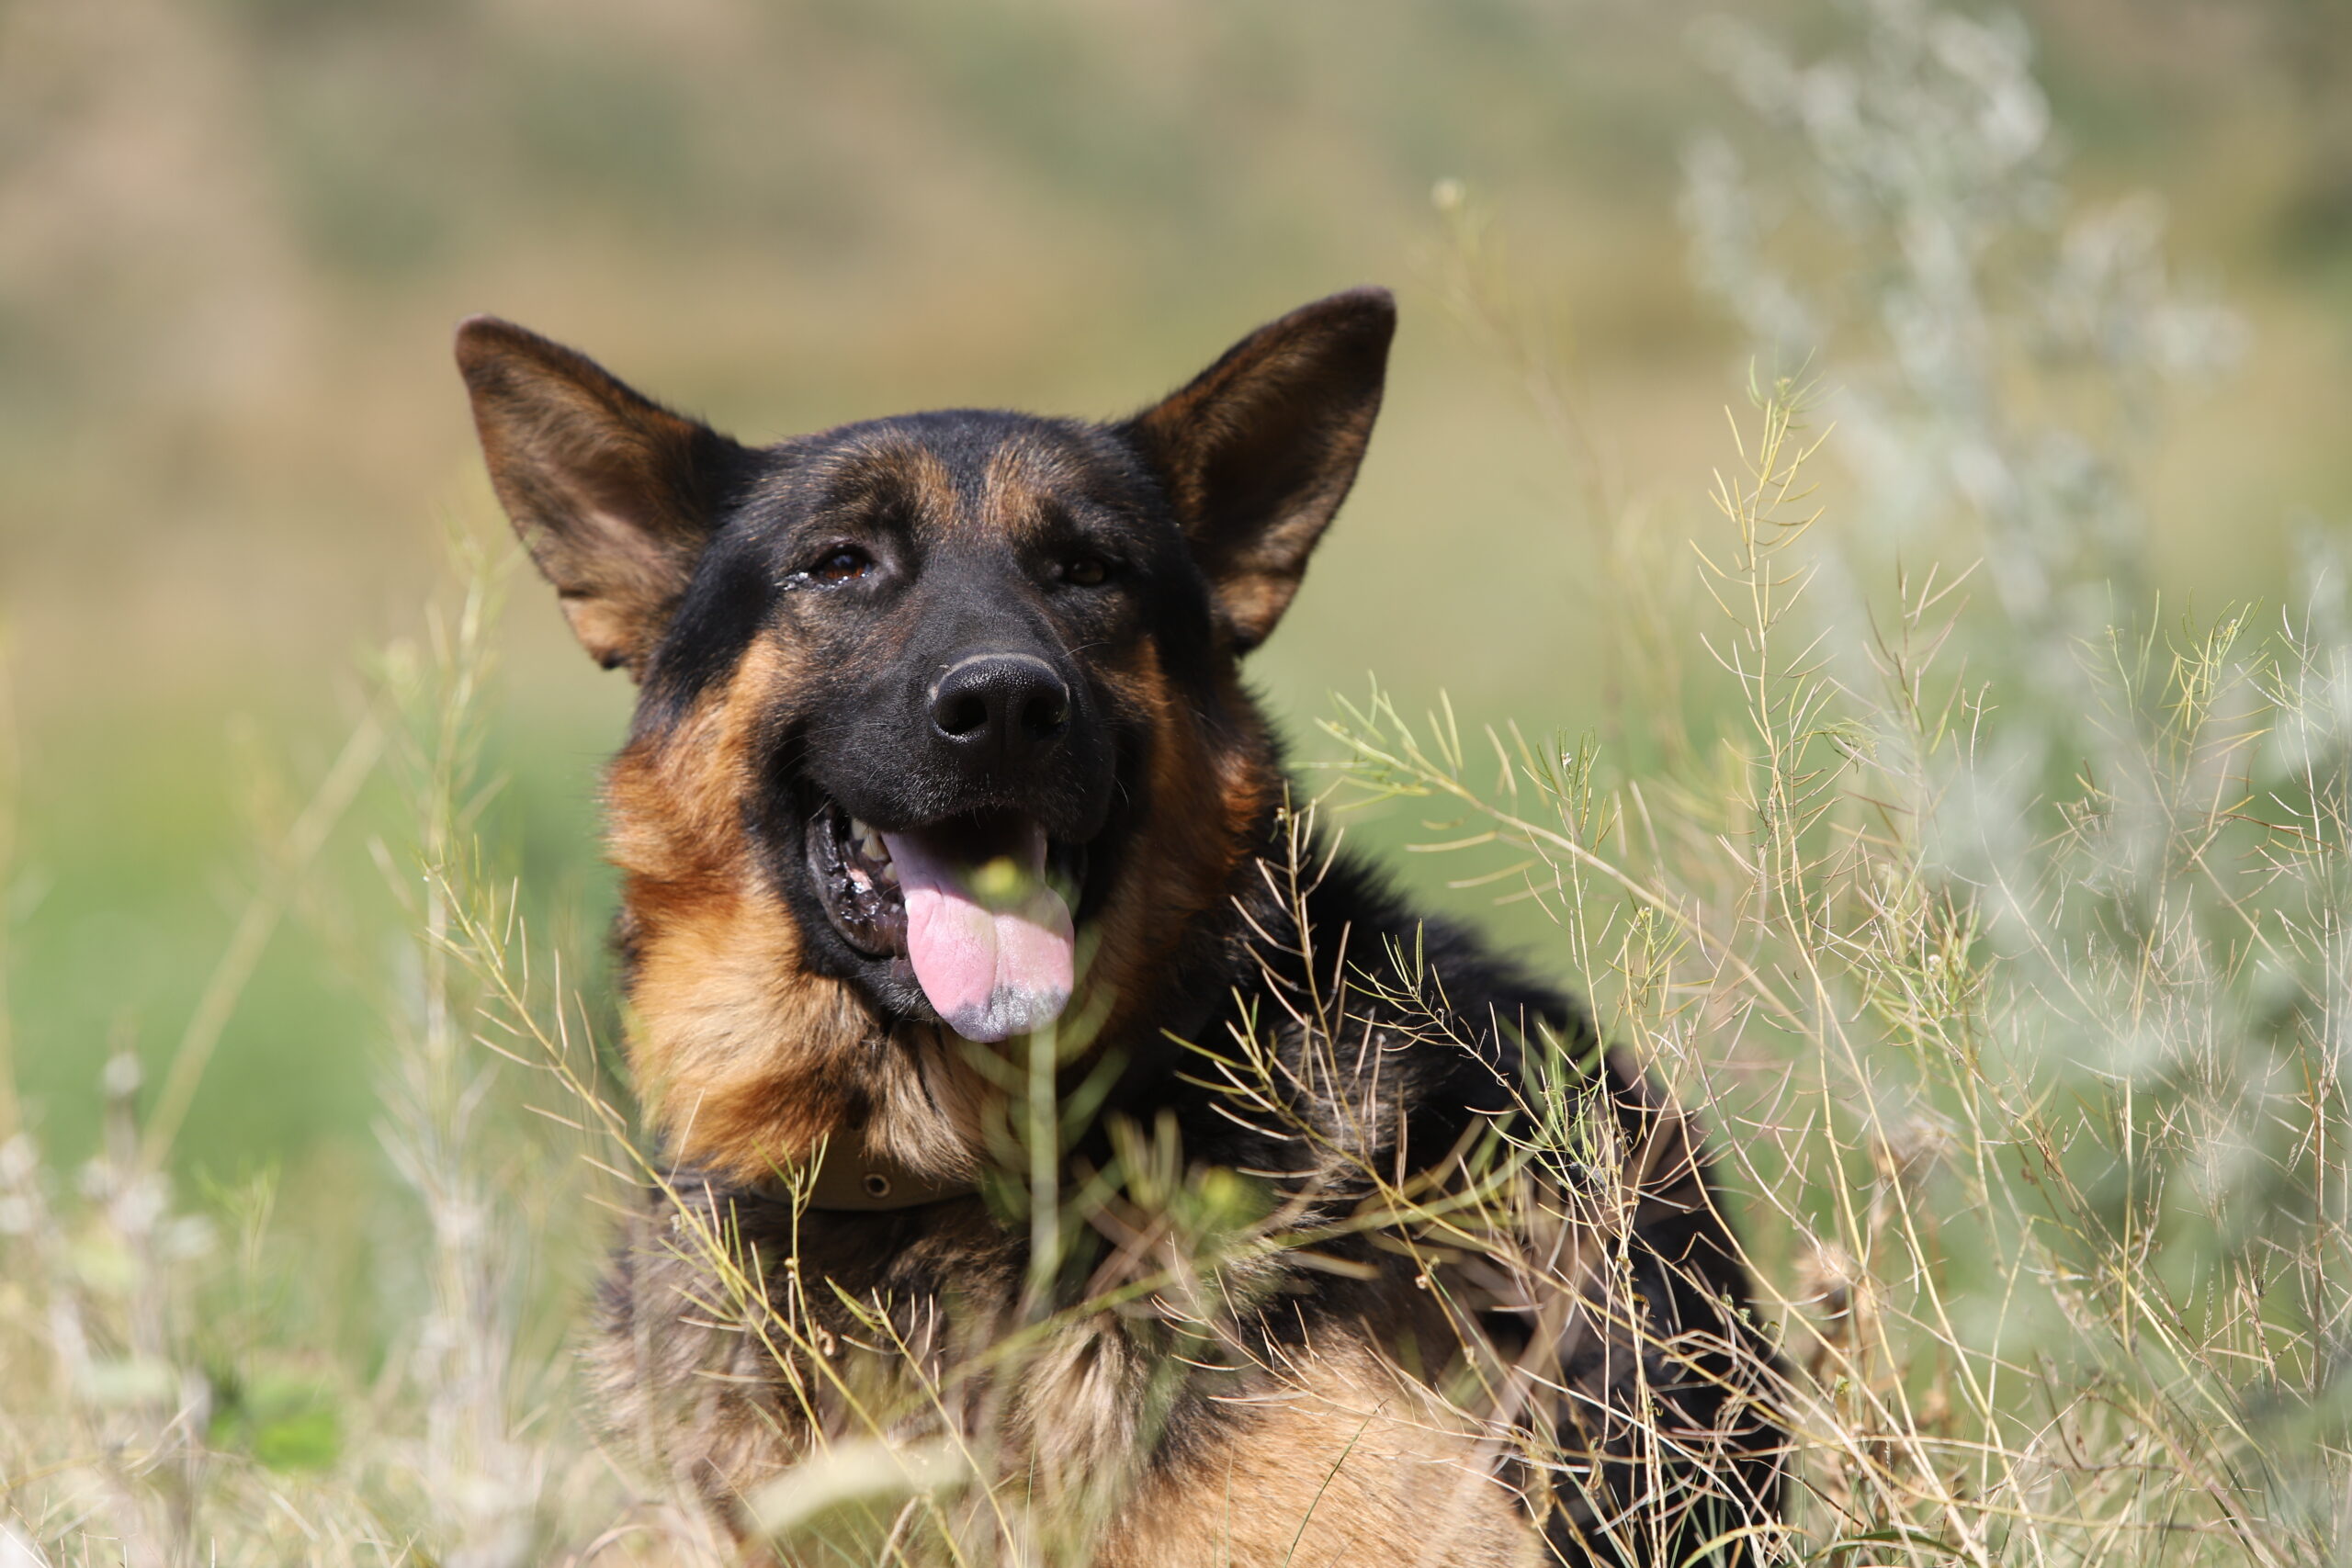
[(614, 495)]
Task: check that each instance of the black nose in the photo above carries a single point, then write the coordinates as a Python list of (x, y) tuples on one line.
[(1001, 709)]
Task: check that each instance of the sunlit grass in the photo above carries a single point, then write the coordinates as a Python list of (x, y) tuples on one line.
[(2041, 1168), (1993, 919)]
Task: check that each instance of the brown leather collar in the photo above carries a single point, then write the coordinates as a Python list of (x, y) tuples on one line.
[(852, 1183)]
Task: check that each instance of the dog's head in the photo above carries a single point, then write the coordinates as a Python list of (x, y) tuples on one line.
[(931, 708)]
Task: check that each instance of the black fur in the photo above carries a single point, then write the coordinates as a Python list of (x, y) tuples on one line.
[(877, 556)]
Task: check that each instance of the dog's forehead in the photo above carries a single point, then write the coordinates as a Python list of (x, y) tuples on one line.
[(959, 472)]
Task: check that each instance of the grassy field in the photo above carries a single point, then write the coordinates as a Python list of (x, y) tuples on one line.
[(244, 230), (1956, 815)]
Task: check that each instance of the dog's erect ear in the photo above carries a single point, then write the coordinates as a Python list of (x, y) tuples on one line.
[(614, 495), (1259, 451)]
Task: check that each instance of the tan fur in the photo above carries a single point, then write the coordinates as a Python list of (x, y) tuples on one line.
[(744, 1059), (1205, 1400), (1347, 1464), (1206, 792), (1022, 480), (1329, 1455)]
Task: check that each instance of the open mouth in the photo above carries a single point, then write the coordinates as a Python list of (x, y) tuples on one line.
[(976, 905)]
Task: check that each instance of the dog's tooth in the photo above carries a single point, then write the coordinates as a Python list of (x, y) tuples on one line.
[(887, 875)]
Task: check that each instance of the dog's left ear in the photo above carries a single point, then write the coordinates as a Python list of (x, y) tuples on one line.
[(613, 494), (1260, 450)]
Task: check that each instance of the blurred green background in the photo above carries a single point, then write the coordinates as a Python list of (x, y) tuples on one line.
[(234, 235)]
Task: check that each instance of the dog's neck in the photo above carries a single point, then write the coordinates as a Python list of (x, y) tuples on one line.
[(741, 1073)]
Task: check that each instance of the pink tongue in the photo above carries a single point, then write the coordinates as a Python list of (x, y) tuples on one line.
[(990, 943)]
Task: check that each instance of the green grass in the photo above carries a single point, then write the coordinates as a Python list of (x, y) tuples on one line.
[(2032, 1111), (1994, 923)]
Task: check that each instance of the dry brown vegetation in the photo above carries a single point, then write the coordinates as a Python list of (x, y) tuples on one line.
[(1994, 916)]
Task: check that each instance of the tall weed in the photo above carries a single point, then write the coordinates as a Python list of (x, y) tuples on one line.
[(1996, 923)]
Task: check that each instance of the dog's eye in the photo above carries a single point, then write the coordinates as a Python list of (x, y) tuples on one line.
[(844, 563), (1086, 571)]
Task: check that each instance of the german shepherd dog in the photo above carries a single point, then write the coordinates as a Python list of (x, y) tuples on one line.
[(1321, 1233)]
